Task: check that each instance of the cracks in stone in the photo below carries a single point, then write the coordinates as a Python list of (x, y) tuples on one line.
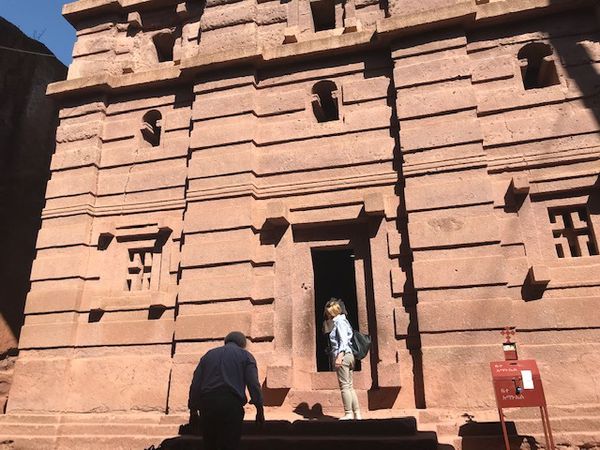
[(129, 172)]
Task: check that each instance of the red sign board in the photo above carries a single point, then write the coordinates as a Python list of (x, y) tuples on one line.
[(517, 383)]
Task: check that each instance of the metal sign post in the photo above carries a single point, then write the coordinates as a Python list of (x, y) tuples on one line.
[(518, 384)]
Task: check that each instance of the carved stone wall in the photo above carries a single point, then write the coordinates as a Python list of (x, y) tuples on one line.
[(218, 147)]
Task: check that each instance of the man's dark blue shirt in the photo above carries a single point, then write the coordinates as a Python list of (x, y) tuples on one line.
[(229, 368)]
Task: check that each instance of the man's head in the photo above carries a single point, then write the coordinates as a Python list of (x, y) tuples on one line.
[(237, 338)]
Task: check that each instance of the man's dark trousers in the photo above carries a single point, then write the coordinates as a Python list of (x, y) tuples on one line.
[(221, 415)]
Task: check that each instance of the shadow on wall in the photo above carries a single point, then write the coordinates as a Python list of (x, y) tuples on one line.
[(488, 435), (28, 122), (382, 398), (579, 62)]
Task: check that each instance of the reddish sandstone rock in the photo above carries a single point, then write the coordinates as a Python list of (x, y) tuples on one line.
[(234, 165)]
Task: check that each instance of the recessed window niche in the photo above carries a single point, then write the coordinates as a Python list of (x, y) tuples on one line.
[(538, 68), (323, 14), (164, 44), (151, 128), (325, 101)]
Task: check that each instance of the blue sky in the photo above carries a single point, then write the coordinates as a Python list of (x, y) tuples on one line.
[(42, 19)]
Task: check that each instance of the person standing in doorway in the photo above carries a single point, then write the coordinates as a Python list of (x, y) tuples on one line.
[(218, 393), (328, 327), (343, 358)]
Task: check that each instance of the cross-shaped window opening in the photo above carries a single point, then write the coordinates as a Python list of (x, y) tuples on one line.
[(139, 271), (572, 234)]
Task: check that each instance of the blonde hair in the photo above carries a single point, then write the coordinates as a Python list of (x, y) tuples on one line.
[(334, 309)]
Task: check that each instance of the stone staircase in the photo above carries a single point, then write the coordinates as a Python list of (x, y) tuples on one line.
[(380, 434), (574, 428), (85, 431), (137, 432)]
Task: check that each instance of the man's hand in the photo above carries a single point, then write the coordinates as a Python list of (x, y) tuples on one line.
[(339, 360), (260, 415)]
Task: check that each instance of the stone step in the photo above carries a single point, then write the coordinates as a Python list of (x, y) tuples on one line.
[(384, 427), (273, 436), (127, 418), (566, 440), (556, 411), (522, 426), (80, 442), (30, 429), (29, 443), (396, 427), (432, 415), (419, 441), (176, 419), (17, 429), (125, 442), (29, 418), (68, 429), (559, 425)]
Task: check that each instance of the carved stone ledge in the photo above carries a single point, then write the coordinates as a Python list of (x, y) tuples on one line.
[(374, 204), (277, 214), (520, 185), (538, 275)]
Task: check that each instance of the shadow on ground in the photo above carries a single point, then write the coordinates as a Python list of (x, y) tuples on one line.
[(488, 435)]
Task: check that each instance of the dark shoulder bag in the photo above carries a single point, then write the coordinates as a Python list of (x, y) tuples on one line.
[(360, 343)]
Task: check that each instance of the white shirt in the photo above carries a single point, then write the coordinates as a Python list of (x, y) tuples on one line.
[(341, 335)]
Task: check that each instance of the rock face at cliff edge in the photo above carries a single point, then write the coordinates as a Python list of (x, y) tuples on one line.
[(27, 129)]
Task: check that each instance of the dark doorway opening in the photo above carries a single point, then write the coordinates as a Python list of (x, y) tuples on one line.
[(334, 277), (164, 43), (323, 14)]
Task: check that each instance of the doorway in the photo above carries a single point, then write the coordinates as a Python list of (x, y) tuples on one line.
[(334, 276)]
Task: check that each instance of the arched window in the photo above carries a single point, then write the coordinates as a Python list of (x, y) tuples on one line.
[(325, 101), (164, 43), (537, 66), (151, 128)]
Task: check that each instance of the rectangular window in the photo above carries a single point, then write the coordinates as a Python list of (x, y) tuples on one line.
[(573, 236)]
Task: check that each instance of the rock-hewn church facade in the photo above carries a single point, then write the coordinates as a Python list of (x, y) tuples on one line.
[(231, 165)]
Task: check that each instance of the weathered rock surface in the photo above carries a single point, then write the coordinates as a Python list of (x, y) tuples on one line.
[(235, 164), (27, 130)]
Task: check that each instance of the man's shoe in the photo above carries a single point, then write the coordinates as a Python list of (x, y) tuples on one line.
[(347, 416), (357, 415)]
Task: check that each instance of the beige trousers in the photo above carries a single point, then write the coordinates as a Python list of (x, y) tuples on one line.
[(344, 375)]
